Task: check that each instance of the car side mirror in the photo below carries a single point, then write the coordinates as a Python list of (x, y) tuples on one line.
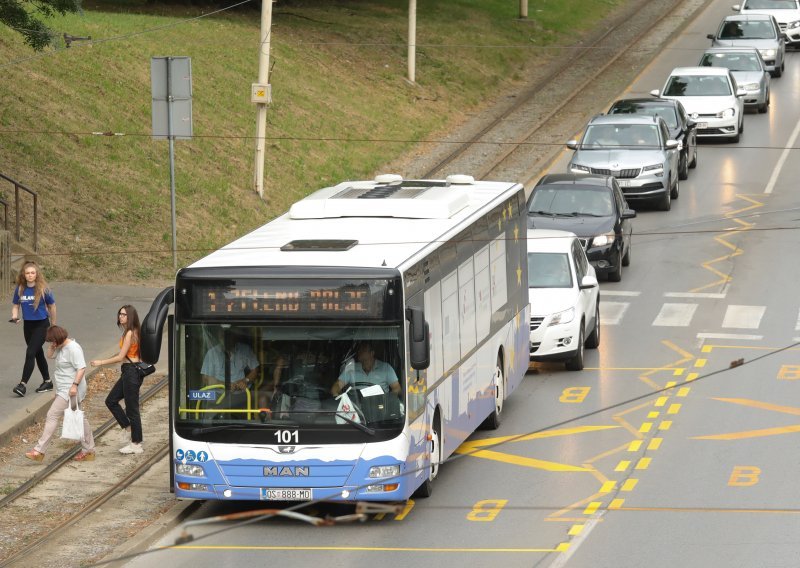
[(628, 214), (588, 281), (655, 93), (572, 144), (711, 36), (691, 123), (673, 144), (740, 92), (736, 8)]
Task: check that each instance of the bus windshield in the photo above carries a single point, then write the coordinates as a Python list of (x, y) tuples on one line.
[(327, 377)]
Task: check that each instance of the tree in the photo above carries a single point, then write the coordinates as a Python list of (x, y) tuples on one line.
[(23, 16)]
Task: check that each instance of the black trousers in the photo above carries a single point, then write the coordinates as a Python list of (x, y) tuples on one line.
[(35, 331), (127, 388)]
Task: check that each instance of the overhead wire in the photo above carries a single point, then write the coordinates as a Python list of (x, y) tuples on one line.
[(735, 364)]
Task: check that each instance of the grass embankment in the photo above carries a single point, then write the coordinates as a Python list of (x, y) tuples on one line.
[(339, 74)]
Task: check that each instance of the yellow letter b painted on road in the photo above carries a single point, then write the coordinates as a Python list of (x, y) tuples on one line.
[(486, 510), (789, 372), (574, 395), (744, 476)]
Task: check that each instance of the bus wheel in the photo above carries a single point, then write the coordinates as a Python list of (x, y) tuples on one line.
[(493, 421), (426, 489)]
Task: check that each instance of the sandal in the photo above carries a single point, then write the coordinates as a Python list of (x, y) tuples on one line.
[(84, 456), (34, 455)]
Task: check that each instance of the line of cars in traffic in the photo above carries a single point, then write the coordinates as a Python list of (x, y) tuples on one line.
[(579, 223)]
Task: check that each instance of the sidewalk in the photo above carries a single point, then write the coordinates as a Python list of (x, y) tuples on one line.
[(88, 312)]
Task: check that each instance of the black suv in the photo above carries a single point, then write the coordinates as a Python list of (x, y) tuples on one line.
[(681, 127), (591, 206)]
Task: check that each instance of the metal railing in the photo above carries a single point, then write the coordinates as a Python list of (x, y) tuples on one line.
[(18, 233), (5, 265)]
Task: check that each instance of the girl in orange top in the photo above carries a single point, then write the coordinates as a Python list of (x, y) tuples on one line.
[(130, 381)]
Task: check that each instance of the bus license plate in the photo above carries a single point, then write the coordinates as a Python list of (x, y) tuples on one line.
[(286, 494)]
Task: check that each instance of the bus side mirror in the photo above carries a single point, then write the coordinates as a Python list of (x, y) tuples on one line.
[(420, 347), (153, 326)]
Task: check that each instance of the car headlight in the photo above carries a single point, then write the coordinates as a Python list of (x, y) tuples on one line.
[(579, 169), (603, 240), (793, 25), (654, 169), (767, 53), (727, 113), (562, 317), (750, 86)]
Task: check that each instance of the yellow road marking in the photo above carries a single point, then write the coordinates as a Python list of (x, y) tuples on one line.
[(645, 427), (665, 425), (623, 465), (699, 363), (752, 433), (643, 463), (629, 484), (673, 409), (608, 487), (662, 400), (635, 445), (474, 444), (592, 508), (683, 391), (527, 462), (610, 452), (762, 405), (575, 530), (615, 504), (654, 414), (691, 376), (655, 443)]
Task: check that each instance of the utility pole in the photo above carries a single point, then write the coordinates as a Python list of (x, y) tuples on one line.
[(260, 93), (412, 40), (523, 9)]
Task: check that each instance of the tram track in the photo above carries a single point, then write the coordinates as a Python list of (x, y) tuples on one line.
[(517, 142)]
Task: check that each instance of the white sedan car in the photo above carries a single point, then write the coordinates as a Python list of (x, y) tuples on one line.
[(564, 297), (711, 98)]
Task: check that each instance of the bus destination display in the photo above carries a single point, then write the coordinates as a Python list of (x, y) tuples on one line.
[(291, 299)]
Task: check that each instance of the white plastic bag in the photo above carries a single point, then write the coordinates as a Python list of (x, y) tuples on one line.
[(346, 409), (72, 429)]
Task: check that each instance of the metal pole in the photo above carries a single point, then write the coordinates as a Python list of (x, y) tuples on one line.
[(412, 40), (261, 108), (171, 138), (523, 9)]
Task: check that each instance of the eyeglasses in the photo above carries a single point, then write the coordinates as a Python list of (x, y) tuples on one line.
[(122, 314)]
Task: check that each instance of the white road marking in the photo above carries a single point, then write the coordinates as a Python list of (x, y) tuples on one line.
[(733, 336), (611, 312), (773, 179), (709, 295), (675, 315), (743, 317), (619, 293)]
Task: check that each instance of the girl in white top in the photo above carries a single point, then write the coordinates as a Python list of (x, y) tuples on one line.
[(69, 382)]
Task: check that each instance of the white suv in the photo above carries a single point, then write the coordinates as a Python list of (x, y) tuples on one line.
[(786, 12)]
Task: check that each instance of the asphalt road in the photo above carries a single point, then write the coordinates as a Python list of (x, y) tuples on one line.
[(703, 474)]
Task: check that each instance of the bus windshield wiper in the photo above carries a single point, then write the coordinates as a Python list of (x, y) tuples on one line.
[(221, 427), (349, 420)]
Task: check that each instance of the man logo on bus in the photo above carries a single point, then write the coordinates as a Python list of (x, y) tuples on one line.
[(285, 471)]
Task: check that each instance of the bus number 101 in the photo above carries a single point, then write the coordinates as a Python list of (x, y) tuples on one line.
[(287, 436)]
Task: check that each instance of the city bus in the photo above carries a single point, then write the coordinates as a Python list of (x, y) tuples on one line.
[(344, 350)]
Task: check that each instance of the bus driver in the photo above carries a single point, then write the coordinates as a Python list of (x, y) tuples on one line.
[(367, 369)]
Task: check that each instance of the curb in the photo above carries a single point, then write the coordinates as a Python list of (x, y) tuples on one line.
[(125, 552)]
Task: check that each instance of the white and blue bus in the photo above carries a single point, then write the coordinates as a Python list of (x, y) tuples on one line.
[(429, 276)]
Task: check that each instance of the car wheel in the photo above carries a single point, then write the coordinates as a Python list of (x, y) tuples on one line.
[(576, 362), (675, 191), (593, 341), (492, 422), (616, 274), (665, 203), (693, 163), (426, 489), (762, 108), (683, 166), (738, 135), (626, 260)]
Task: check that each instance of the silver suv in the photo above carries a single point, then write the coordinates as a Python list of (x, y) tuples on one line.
[(635, 149)]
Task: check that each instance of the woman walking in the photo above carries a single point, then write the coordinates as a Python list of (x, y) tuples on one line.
[(39, 313), (69, 372), (129, 383)]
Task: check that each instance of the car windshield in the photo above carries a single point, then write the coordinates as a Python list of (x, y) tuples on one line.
[(667, 112), (571, 201), (747, 29), (549, 270), (771, 5), (732, 61), (643, 136), (697, 86)]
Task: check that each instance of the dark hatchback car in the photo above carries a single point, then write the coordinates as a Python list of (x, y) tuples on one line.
[(592, 207), (681, 127)]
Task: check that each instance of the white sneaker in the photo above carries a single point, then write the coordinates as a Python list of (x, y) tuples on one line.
[(124, 436), (132, 449)]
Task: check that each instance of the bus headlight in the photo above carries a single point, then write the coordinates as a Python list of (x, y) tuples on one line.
[(189, 469), (378, 471)]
